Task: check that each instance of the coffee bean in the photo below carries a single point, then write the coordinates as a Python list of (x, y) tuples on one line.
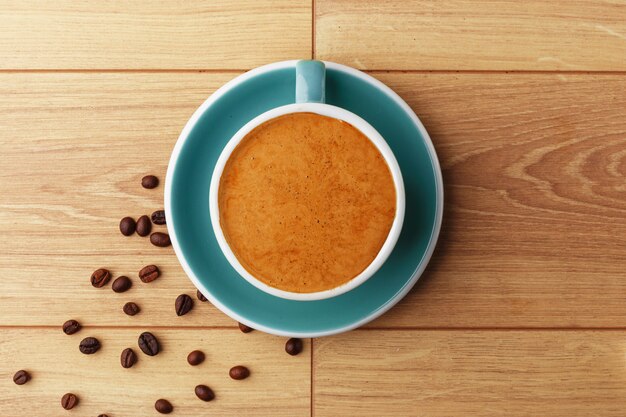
[(69, 401), (158, 217), (127, 226), (149, 273), (71, 327), (103, 415), (148, 344), (121, 284), (100, 277), (128, 358), (195, 358), (293, 346), (131, 308), (163, 406), (144, 226), (200, 296), (183, 304), (21, 377), (160, 239), (149, 181), (239, 372), (244, 328), (89, 345), (204, 393)]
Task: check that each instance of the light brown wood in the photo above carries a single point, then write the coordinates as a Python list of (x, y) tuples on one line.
[(533, 166), (535, 211), (279, 384), (202, 34), (533, 234), (75, 149), (50, 289), (478, 373), (476, 35)]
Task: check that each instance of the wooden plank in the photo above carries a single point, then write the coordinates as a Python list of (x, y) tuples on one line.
[(473, 35), (279, 384), (66, 129), (50, 289), (478, 373), (535, 217), (199, 34), (533, 164), (72, 165)]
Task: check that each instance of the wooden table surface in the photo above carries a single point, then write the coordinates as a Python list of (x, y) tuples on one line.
[(522, 311)]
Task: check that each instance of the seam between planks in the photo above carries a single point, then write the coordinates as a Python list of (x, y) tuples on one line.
[(122, 70), (312, 381), (369, 71), (313, 29), (364, 329)]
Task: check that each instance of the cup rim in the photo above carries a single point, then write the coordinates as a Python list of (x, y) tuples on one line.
[(372, 134)]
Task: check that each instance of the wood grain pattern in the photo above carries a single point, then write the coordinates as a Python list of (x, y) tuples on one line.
[(534, 232), (534, 226), (474, 35), (534, 169), (75, 149), (57, 288), (279, 384), (478, 373), (152, 34)]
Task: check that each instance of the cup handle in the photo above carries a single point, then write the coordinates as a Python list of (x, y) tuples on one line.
[(310, 81)]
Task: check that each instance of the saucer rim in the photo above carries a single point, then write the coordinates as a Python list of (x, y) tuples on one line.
[(422, 264)]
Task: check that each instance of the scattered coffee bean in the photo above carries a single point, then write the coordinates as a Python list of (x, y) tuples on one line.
[(127, 226), (239, 372), (204, 393), (160, 239), (100, 277), (71, 327), (69, 401), (195, 358), (244, 328), (128, 358), (158, 217), (293, 346), (183, 304), (144, 226), (149, 273), (148, 344), (89, 345), (201, 296), (131, 308), (103, 415), (121, 284), (149, 182), (21, 377), (163, 406)]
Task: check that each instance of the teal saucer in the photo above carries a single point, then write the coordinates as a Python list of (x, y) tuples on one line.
[(187, 202)]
